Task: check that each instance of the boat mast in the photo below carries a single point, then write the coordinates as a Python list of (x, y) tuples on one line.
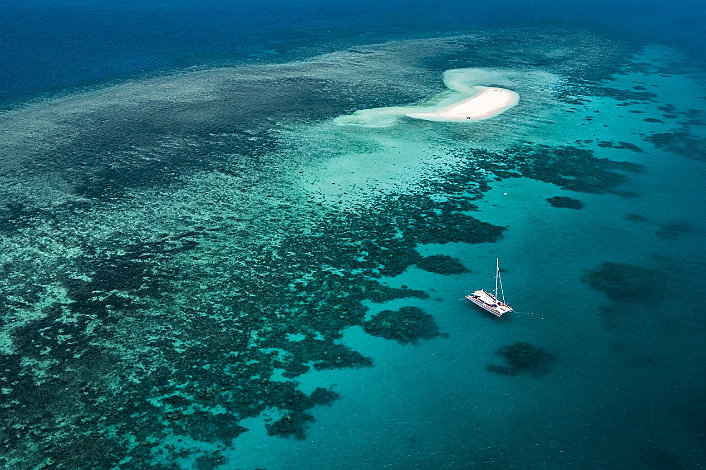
[(502, 292), (497, 275)]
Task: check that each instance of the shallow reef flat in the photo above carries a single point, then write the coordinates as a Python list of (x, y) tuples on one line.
[(179, 251)]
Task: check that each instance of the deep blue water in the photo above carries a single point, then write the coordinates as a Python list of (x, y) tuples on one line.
[(47, 47)]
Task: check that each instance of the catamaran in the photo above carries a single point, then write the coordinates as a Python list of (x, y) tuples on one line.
[(489, 301)]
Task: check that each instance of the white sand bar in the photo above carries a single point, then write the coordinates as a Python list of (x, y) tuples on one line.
[(465, 100), (488, 102)]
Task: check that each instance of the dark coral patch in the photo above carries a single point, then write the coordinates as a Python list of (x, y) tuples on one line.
[(625, 283), (16, 215), (291, 425), (629, 146), (210, 461), (322, 396), (681, 142), (624, 95), (406, 325), (294, 369), (635, 217), (573, 168), (565, 202), (295, 422), (620, 145), (206, 426), (442, 264), (521, 358), (340, 357), (674, 229)]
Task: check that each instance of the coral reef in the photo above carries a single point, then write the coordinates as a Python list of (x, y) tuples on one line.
[(565, 202), (406, 325), (674, 229), (159, 295), (442, 264), (521, 358), (625, 283)]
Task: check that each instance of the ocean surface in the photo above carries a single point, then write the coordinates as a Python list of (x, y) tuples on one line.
[(219, 250)]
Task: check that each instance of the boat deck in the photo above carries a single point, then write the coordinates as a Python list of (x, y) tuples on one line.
[(489, 302)]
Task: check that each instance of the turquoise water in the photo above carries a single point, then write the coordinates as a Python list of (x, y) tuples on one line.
[(250, 263)]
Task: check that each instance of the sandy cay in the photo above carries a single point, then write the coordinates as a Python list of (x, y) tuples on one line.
[(487, 103)]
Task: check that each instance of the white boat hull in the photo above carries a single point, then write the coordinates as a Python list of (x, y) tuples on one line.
[(489, 303)]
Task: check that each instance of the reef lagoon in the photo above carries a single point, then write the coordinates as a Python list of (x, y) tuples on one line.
[(228, 243)]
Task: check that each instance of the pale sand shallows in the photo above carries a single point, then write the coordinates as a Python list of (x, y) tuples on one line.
[(487, 103), (464, 100)]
